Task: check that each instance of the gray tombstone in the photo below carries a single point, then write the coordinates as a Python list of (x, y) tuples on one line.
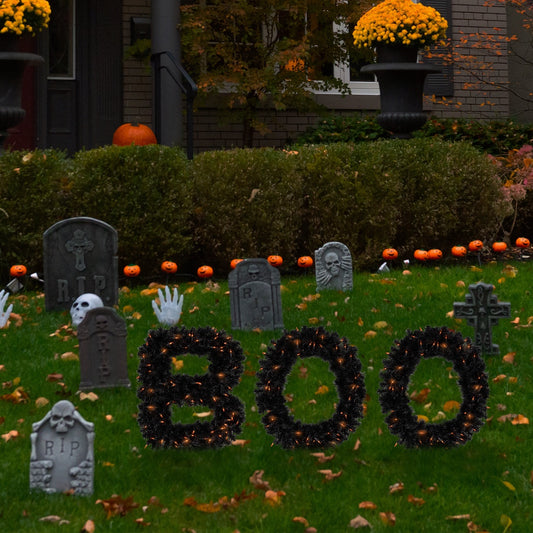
[(62, 451), (482, 311), (80, 256), (255, 296), (333, 267), (103, 352)]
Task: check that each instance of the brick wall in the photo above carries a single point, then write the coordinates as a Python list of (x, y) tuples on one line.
[(471, 99)]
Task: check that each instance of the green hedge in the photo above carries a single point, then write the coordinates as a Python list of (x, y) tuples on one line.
[(253, 203)]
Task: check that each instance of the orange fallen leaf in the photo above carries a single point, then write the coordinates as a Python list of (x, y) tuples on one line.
[(240, 442), (415, 501), (273, 497), (256, 479), (498, 378), (420, 397), (116, 505), (88, 396), (520, 420), (329, 474), (203, 414), (380, 324), (509, 358), (313, 321), (388, 518), (370, 334), (69, 356), (300, 520), (41, 402), (54, 377), (451, 405), (301, 307), (367, 505), (149, 291), (128, 309), (88, 527), (359, 522), (322, 457), (323, 389), (396, 487), (13, 434), (458, 517)]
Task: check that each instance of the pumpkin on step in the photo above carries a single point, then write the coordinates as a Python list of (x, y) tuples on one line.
[(133, 133)]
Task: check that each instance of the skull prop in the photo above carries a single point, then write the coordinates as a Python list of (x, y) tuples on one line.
[(333, 263), (62, 416), (84, 303)]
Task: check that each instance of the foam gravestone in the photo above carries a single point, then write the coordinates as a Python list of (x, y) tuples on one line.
[(333, 267), (82, 304)]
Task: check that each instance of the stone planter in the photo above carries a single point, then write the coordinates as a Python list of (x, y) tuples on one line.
[(12, 66), (401, 85)]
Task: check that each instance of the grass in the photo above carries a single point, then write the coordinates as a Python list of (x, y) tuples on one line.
[(489, 478)]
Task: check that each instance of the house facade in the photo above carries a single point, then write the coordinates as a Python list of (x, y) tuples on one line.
[(89, 85)]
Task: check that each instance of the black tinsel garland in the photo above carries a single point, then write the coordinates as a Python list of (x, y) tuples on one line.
[(159, 388), (401, 363), (276, 366)]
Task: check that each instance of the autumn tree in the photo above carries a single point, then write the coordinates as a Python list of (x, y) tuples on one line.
[(267, 54)]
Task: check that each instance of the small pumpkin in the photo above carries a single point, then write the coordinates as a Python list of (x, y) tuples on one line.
[(169, 267), (522, 242), (305, 261), (390, 254), (499, 246), (205, 271), (420, 255), (235, 262), (133, 133), (475, 246), (17, 271), (275, 260), (132, 271), (459, 251), (434, 254)]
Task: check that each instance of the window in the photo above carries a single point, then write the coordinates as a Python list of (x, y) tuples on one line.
[(61, 55)]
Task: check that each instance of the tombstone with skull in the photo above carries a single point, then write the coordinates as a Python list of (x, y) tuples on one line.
[(82, 304), (255, 296), (333, 267), (62, 456), (103, 352)]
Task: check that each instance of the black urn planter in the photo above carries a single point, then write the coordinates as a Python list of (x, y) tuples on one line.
[(401, 86), (12, 66)]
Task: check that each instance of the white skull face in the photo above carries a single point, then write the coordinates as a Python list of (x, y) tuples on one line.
[(62, 416), (332, 263), (84, 303)]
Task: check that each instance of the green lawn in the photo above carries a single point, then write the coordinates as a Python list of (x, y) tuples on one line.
[(489, 479)]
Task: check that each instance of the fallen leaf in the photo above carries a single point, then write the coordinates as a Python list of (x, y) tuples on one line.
[(510, 486), (519, 420), (19, 395), (41, 401), (423, 418), (54, 377), (116, 505), (420, 397), (367, 505), (388, 518), (313, 321), (418, 502), (300, 520), (380, 324), (509, 358), (498, 378), (50, 518), (506, 522), (203, 414), (69, 356), (451, 405), (322, 457), (329, 474), (88, 396), (13, 434), (323, 389), (240, 442), (370, 334), (396, 487), (256, 479), (359, 522), (88, 527), (273, 497)]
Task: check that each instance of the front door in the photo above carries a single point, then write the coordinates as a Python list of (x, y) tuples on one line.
[(84, 82)]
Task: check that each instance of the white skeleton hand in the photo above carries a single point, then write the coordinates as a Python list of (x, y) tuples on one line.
[(4, 315), (170, 311)]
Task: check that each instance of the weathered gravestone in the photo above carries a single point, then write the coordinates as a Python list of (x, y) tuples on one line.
[(255, 296), (62, 451), (103, 352), (333, 267), (80, 256), (482, 310)]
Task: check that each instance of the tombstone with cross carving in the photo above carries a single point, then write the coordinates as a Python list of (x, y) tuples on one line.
[(482, 310), (80, 256), (103, 353)]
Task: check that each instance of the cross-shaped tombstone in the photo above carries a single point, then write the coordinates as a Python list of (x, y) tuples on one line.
[(482, 310), (78, 245)]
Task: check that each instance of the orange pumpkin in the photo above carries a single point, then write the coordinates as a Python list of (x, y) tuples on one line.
[(275, 260), (17, 271), (305, 261), (434, 254), (133, 133), (205, 271), (169, 267), (389, 254), (522, 242), (132, 271), (421, 255), (475, 246), (458, 251), (499, 246), (235, 262)]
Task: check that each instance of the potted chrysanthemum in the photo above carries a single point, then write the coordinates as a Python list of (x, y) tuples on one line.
[(400, 26), (23, 17)]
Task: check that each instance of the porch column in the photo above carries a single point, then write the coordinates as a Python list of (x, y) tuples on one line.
[(165, 38)]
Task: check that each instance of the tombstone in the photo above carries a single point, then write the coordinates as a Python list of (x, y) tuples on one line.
[(255, 296), (103, 353), (62, 451), (333, 267), (482, 311), (80, 256)]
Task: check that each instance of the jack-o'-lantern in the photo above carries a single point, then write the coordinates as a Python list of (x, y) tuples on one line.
[(305, 261), (235, 262), (434, 254), (205, 271), (389, 254), (275, 260), (132, 271), (17, 271), (499, 246), (420, 255), (169, 267), (475, 246), (459, 251), (133, 133), (522, 242)]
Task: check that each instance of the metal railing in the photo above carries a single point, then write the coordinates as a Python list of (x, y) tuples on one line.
[(186, 85)]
